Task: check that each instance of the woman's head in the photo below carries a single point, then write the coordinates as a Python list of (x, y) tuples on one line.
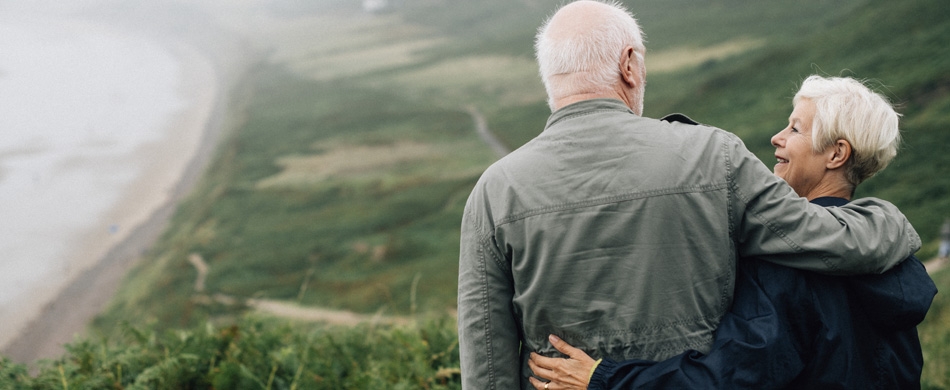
[(852, 133), (847, 109)]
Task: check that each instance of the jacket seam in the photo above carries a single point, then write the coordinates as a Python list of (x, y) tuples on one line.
[(613, 199), (484, 241), (487, 316), (725, 294), (658, 326)]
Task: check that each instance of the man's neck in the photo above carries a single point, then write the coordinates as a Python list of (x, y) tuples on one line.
[(571, 99)]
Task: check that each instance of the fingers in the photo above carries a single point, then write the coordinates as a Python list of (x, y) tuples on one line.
[(558, 373), (543, 362), (538, 385), (539, 366), (562, 346)]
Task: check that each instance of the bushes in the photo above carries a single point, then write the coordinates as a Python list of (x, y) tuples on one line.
[(255, 354)]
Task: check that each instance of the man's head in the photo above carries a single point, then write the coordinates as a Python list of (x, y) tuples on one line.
[(592, 49)]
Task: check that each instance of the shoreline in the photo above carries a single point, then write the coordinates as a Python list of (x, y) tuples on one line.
[(171, 166)]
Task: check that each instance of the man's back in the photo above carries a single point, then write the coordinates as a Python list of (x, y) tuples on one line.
[(604, 206), (600, 208)]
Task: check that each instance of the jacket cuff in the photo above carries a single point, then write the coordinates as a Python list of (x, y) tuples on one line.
[(602, 373)]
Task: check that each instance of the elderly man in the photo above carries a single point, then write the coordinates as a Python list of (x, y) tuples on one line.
[(620, 233)]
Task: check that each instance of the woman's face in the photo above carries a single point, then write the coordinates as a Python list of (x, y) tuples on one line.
[(797, 163)]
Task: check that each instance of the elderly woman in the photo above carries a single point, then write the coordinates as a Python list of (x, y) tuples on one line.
[(789, 328)]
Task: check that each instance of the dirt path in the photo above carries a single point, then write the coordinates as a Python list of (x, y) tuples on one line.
[(202, 267), (285, 309), (936, 264), (315, 314), (481, 126)]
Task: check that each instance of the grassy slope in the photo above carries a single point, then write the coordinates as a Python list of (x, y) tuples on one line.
[(357, 237), (366, 233), (935, 337), (366, 230), (903, 46)]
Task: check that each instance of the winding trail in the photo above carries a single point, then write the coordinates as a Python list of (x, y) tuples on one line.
[(481, 127), (285, 309), (202, 267), (315, 314), (936, 264)]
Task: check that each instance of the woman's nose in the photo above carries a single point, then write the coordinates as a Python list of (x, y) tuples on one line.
[(777, 138)]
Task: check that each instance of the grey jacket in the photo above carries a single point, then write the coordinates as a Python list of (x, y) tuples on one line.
[(620, 234)]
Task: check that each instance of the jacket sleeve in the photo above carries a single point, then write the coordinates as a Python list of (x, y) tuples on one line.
[(780, 321), (758, 344), (773, 223), (907, 291), (489, 339), (690, 370)]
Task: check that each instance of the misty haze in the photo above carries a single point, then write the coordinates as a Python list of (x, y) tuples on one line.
[(189, 183)]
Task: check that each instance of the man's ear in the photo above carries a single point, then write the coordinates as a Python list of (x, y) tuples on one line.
[(630, 67), (841, 154)]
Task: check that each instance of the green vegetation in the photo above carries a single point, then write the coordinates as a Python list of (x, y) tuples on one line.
[(344, 184), (254, 354), (338, 202), (901, 48), (935, 337)]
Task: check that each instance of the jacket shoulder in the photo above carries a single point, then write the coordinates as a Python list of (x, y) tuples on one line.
[(681, 118), (724, 137)]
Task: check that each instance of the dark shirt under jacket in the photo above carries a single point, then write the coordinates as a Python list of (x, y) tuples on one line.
[(797, 329)]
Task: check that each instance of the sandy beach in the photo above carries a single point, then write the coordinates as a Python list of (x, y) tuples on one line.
[(170, 166)]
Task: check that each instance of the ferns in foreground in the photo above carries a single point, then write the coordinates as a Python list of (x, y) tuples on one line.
[(255, 354)]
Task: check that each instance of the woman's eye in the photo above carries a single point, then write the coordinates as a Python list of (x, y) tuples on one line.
[(794, 130)]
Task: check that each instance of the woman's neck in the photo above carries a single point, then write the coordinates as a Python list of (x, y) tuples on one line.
[(831, 186)]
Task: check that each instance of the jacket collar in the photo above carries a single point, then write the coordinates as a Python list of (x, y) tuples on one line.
[(830, 201), (586, 107)]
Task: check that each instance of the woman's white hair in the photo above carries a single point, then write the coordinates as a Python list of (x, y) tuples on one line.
[(588, 61), (847, 109)]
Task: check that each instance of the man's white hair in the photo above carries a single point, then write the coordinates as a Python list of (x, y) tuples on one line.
[(589, 61), (847, 109)]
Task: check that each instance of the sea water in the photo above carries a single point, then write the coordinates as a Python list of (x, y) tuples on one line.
[(77, 100)]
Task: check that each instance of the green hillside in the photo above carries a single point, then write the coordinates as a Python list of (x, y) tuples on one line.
[(902, 48), (352, 199), (342, 183)]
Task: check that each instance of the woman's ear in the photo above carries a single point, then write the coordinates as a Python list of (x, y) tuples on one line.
[(841, 155)]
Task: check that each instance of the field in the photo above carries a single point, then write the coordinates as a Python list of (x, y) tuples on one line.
[(343, 186)]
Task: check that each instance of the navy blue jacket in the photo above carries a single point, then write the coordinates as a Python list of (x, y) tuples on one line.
[(796, 329)]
